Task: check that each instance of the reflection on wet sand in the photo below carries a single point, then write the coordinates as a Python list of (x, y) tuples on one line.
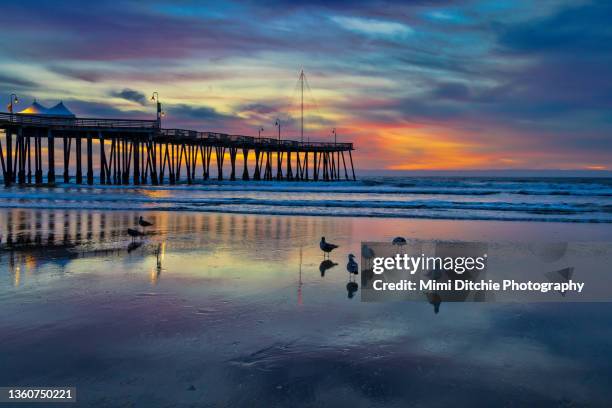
[(209, 304), (159, 258), (325, 265), (134, 245), (435, 300), (560, 276), (442, 250), (454, 249), (352, 287), (217, 246), (300, 295), (20, 227), (61, 236), (37, 237)]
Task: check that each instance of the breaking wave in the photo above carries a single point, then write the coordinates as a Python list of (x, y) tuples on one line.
[(560, 200)]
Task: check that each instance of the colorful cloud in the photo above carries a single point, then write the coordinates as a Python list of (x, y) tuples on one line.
[(416, 85)]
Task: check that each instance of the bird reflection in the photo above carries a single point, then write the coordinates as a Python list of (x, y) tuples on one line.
[(134, 233), (434, 299), (353, 270), (134, 245), (352, 287), (325, 265)]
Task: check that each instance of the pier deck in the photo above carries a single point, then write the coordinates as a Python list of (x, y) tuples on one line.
[(142, 152)]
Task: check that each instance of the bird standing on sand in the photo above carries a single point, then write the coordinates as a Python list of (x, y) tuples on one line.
[(352, 266), (134, 233), (326, 247), (143, 223)]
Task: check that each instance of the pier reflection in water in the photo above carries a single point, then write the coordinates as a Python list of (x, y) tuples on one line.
[(196, 245)]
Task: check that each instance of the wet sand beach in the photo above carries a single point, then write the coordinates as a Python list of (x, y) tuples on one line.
[(235, 310)]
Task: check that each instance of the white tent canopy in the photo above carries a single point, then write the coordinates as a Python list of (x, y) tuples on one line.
[(58, 110), (35, 109)]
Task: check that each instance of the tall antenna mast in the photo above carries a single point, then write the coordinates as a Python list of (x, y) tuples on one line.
[(302, 85)]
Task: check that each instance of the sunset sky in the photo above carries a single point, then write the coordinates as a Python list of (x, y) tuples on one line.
[(415, 84)]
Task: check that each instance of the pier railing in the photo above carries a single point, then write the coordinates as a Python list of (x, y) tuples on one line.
[(18, 119), (212, 137), (60, 121)]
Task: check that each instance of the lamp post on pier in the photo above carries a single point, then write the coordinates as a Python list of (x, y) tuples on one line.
[(160, 113), (261, 129), (14, 100), (278, 154), (278, 124), (337, 169)]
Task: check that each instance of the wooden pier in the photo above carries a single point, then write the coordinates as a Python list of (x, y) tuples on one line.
[(142, 152)]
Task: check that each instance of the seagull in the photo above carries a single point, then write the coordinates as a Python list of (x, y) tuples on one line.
[(352, 266), (326, 247), (399, 241), (143, 223), (134, 233)]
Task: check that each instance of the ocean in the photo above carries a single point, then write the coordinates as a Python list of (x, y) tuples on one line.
[(568, 199)]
